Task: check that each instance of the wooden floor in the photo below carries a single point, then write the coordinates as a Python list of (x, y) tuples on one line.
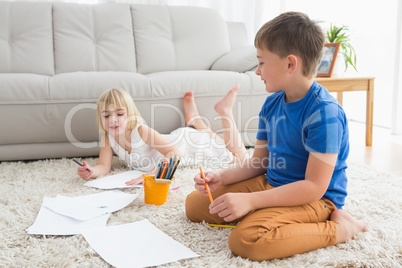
[(384, 155)]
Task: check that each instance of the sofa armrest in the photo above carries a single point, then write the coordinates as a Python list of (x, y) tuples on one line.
[(237, 34), (238, 60)]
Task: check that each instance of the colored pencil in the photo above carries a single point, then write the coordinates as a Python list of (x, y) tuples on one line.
[(175, 167), (81, 164), (170, 170), (159, 173), (167, 168), (172, 167), (164, 170), (157, 170), (222, 226), (206, 186)]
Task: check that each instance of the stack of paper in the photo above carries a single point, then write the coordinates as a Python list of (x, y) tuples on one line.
[(116, 181), (70, 215)]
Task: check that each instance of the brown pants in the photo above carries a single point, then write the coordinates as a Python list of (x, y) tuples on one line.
[(270, 233)]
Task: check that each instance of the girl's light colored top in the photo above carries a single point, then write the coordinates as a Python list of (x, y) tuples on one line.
[(195, 147)]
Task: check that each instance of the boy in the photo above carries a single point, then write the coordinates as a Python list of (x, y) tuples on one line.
[(288, 196)]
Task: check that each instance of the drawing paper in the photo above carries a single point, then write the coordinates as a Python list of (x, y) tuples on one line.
[(49, 222), (137, 244), (91, 206), (116, 181)]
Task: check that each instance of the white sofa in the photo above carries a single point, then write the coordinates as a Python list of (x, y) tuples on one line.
[(57, 58)]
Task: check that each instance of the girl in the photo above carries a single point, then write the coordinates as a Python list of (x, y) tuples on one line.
[(142, 147)]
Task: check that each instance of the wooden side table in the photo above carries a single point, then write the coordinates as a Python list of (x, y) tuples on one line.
[(344, 84)]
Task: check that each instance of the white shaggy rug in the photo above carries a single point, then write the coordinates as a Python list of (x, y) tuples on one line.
[(374, 197)]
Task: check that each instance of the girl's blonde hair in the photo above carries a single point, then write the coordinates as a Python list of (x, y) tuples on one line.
[(117, 98)]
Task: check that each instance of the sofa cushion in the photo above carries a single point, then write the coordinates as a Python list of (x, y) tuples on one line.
[(26, 123), (166, 85), (24, 106), (171, 38), (88, 86), (237, 60), (26, 41), (256, 84), (23, 89), (93, 38)]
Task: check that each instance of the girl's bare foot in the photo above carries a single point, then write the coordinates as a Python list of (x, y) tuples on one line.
[(346, 226), (225, 105), (190, 109)]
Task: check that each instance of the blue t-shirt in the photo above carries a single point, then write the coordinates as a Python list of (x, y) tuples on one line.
[(316, 123)]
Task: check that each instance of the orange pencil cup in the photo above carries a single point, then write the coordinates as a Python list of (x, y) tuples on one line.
[(155, 193)]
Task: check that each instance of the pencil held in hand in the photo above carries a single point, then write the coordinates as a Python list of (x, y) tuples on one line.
[(81, 165), (209, 192), (206, 186)]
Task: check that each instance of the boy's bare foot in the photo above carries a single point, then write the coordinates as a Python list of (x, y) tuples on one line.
[(225, 105), (190, 109), (346, 226)]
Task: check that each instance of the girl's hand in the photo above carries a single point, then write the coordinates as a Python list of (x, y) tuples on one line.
[(213, 178), (231, 206), (137, 181), (83, 172)]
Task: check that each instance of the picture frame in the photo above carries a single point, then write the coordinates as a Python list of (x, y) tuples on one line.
[(328, 59)]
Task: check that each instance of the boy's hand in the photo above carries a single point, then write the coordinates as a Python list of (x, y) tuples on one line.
[(231, 206), (137, 181), (83, 171), (213, 179)]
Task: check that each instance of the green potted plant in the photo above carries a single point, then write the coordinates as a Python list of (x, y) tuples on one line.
[(341, 35)]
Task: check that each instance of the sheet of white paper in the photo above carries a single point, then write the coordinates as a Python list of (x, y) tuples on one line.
[(137, 244), (49, 222), (91, 206), (115, 181)]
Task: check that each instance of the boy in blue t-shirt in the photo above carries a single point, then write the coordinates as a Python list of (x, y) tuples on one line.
[(288, 196)]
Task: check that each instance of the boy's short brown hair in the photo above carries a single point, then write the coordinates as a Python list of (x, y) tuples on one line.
[(293, 33)]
